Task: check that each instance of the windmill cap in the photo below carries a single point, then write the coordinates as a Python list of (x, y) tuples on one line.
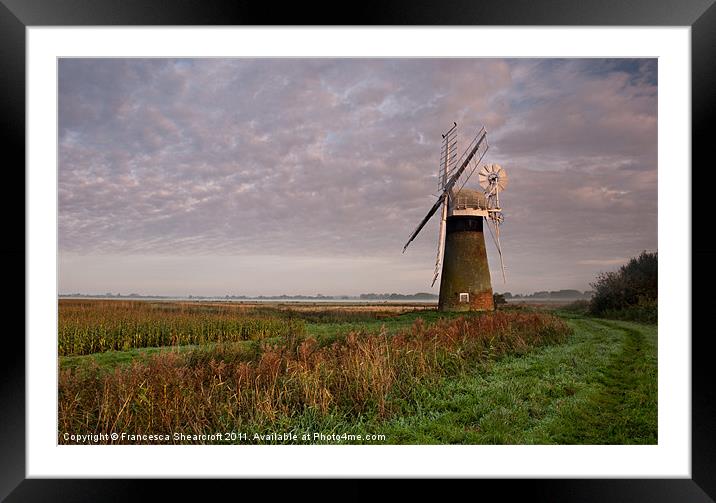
[(469, 198)]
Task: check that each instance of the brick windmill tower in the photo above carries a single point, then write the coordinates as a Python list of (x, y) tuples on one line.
[(465, 281)]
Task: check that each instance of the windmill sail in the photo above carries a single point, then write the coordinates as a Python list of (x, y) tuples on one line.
[(424, 221), (447, 160), (479, 144), (447, 155), (441, 243)]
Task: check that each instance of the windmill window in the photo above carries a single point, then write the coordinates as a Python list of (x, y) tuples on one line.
[(464, 297)]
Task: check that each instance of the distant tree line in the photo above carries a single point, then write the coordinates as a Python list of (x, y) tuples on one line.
[(363, 296), (551, 294), (398, 296)]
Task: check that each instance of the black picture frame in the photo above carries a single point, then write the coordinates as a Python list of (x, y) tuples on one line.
[(17, 15)]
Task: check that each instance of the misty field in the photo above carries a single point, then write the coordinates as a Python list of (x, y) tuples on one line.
[(203, 372)]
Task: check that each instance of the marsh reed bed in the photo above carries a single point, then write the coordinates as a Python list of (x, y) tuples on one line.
[(232, 386), (91, 326)]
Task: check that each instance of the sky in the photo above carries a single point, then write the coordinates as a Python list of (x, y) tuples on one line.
[(307, 176)]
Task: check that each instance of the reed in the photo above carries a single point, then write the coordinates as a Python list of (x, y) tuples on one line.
[(87, 327), (228, 388)]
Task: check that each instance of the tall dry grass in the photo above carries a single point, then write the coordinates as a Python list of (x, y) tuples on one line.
[(227, 388), (91, 326)]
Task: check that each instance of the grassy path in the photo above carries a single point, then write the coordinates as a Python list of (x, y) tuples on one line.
[(598, 388), (624, 409)]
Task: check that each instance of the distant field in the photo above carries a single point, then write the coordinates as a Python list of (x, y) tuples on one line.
[(405, 374)]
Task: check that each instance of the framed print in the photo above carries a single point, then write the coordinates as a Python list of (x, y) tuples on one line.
[(213, 210)]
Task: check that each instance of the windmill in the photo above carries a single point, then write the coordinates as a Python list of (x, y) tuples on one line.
[(465, 280)]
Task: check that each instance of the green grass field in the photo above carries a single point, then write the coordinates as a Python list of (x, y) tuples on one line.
[(599, 386)]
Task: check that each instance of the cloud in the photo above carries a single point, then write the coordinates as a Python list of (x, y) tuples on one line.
[(337, 157)]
